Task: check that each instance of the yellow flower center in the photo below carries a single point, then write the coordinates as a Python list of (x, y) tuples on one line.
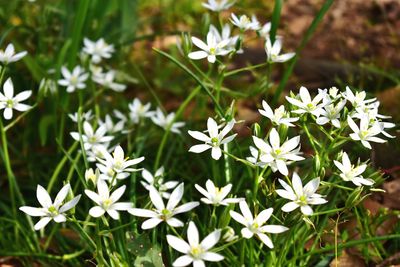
[(302, 200), (9, 103), (310, 106), (363, 134), (214, 141), (196, 251), (107, 203), (53, 210), (165, 214), (92, 139)]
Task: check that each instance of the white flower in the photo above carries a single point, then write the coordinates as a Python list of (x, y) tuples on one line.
[(278, 116), (210, 50), (98, 50), (106, 202), (300, 196), (255, 226), (358, 99), (8, 101), (196, 252), (85, 116), (225, 35), (218, 5), (51, 210), (116, 165), (107, 80), (308, 105), (92, 138), (111, 126), (97, 151), (366, 132), (161, 212), (166, 122), (9, 56), (265, 29), (73, 80), (276, 155), (333, 93), (352, 173), (138, 111), (216, 196), (215, 139), (244, 23), (331, 113), (255, 155), (157, 181), (274, 50)]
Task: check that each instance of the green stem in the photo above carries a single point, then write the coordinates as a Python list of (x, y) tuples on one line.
[(59, 167), (80, 133), (167, 131), (249, 68), (64, 257), (349, 244), (188, 71)]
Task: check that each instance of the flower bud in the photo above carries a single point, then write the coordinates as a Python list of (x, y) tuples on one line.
[(256, 129), (229, 235), (92, 176)]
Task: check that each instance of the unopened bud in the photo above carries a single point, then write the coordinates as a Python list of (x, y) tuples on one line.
[(256, 129), (229, 235), (92, 176)]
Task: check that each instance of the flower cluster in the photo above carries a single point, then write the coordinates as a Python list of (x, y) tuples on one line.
[(222, 44)]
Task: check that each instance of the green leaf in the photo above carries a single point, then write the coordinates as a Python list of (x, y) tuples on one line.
[(194, 76), (307, 36), (44, 125), (276, 16)]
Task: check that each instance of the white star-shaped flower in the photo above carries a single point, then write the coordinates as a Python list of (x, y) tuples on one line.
[(51, 210), (196, 252), (85, 116), (244, 23), (157, 181), (137, 110), (9, 56), (276, 155), (8, 101), (92, 138), (216, 196), (306, 104), (365, 133), (218, 5), (167, 122), (211, 49), (225, 35), (300, 196), (274, 50), (107, 80), (106, 202), (73, 80), (331, 113), (255, 226), (278, 116), (162, 212), (214, 140), (98, 49), (116, 165), (111, 126), (357, 99), (352, 173)]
